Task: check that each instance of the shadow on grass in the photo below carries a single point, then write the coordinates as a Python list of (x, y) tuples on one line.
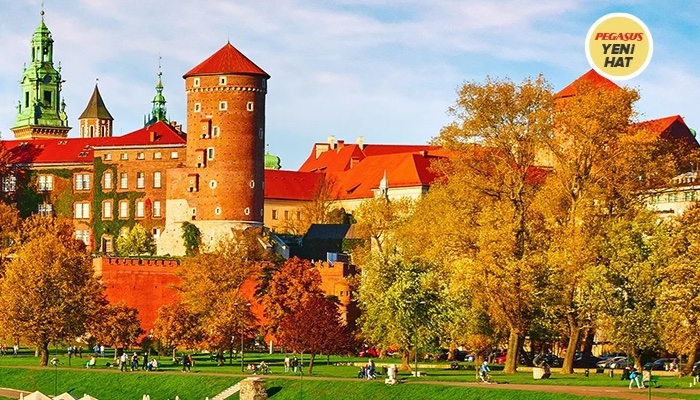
[(273, 391)]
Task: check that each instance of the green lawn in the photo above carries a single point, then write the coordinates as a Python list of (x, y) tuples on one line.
[(207, 379)]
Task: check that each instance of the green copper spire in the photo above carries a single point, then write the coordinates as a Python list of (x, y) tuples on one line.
[(159, 112), (41, 110), (272, 161)]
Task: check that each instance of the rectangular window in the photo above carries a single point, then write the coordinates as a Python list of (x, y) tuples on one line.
[(210, 153), (9, 183), (215, 131), (108, 180), (140, 180), (156, 180), (157, 155), (197, 107), (141, 156), (82, 181), (124, 156), (81, 210), (195, 82), (47, 98), (156, 233), (124, 180), (222, 80), (274, 214), (261, 133), (223, 106), (123, 209), (139, 209), (45, 209), (45, 182), (174, 155), (83, 235), (108, 157), (156, 209), (107, 210)]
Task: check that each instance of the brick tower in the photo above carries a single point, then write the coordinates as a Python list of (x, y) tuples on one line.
[(221, 186), (95, 121)]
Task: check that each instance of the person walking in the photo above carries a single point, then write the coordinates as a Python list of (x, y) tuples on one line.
[(634, 377)]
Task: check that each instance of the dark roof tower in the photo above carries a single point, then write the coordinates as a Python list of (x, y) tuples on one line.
[(95, 121)]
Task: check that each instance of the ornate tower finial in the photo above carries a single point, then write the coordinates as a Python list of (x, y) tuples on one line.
[(158, 112), (42, 11)]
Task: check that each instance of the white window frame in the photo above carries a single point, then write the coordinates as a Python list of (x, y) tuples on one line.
[(124, 156), (9, 183), (250, 106), (222, 81), (107, 210), (157, 211), (195, 82), (82, 181), (140, 209), (45, 209), (157, 155), (215, 131), (108, 157), (210, 153), (141, 156), (197, 107), (83, 235), (81, 210), (157, 180), (45, 183), (174, 155), (107, 177), (123, 180), (140, 180), (124, 209), (223, 105)]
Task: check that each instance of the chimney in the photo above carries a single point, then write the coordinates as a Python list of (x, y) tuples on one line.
[(152, 136), (331, 142), (361, 142)]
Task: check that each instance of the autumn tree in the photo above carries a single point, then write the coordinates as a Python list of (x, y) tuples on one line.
[(9, 232), (136, 241), (499, 128), (117, 325), (176, 326), (48, 293), (315, 328), (212, 284), (290, 286), (678, 313), (379, 219), (402, 304), (631, 258)]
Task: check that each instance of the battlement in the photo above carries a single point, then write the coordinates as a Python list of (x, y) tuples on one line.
[(134, 261)]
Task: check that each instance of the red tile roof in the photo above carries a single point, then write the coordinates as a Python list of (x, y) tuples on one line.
[(227, 60), (80, 150), (402, 170), (291, 185), (668, 128), (344, 156), (658, 126), (592, 78)]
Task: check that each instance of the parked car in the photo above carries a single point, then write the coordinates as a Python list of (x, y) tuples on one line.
[(500, 359), (579, 362), (606, 363), (619, 364), (662, 364)]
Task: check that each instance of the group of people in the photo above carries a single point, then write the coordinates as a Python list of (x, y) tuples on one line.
[(291, 364), (99, 350), (368, 371), (135, 362), (640, 378), (4, 350), (187, 362)]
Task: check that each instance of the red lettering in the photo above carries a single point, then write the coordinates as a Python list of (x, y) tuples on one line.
[(620, 36)]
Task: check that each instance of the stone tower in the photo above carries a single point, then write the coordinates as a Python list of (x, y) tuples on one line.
[(220, 186), (41, 110), (95, 121)]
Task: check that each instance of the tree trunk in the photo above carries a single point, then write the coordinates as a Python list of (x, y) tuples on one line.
[(574, 338), (451, 352), (44, 354), (405, 360), (512, 355), (691, 360), (637, 354), (311, 363)]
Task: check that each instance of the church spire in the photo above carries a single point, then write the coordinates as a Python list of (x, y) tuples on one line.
[(41, 110), (158, 112), (95, 121)]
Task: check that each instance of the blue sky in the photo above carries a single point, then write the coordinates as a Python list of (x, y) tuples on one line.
[(386, 70)]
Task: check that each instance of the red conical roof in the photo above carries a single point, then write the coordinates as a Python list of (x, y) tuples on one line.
[(228, 60), (592, 78)]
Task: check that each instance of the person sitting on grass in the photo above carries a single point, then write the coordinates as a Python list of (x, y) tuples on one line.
[(152, 365), (91, 362)]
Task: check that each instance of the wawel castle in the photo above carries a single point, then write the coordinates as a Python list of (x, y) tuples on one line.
[(212, 173)]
